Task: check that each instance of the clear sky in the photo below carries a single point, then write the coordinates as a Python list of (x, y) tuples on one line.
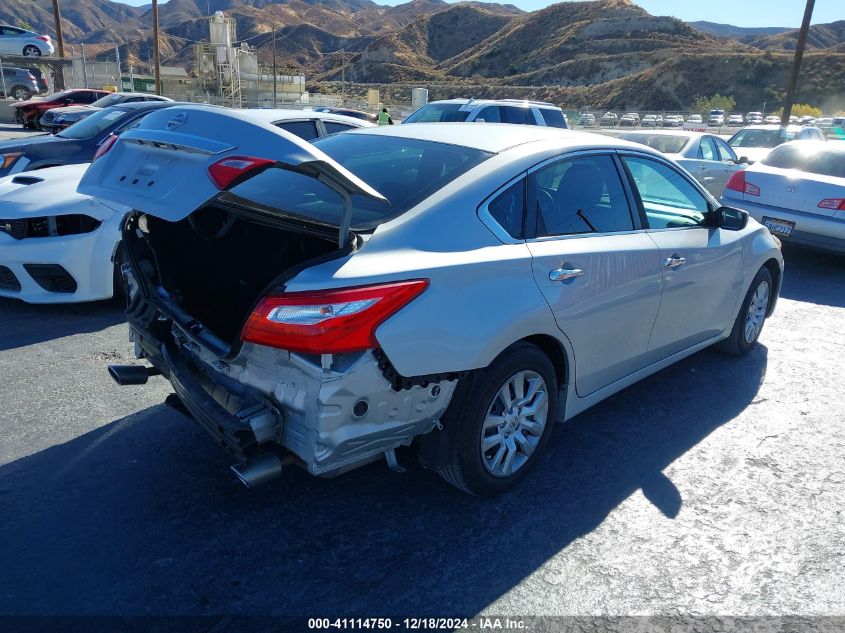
[(787, 13)]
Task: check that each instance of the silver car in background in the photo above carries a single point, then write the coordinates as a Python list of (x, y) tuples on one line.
[(706, 156), (325, 303), (798, 192), (17, 41), (756, 141)]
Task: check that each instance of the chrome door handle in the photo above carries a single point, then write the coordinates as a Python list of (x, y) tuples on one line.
[(562, 274), (674, 261)]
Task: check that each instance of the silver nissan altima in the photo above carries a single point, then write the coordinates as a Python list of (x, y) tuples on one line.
[(457, 287)]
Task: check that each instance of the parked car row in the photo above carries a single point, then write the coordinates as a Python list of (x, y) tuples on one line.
[(320, 291), (714, 118), (22, 83)]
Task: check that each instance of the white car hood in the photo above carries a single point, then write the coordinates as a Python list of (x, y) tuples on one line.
[(50, 191)]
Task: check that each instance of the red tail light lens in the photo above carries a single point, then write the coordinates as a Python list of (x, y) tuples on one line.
[(328, 321), (737, 182), (43, 38), (837, 204), (226, 171), (105, 146)]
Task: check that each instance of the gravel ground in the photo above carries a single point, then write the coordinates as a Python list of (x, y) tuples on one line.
[(712, 488)]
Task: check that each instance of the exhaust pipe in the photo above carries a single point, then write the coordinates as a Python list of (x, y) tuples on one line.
[(132, 374), (259, 470)]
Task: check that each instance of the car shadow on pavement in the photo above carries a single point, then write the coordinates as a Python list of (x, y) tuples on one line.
[(141, 517), (25, 324), (813, 277)]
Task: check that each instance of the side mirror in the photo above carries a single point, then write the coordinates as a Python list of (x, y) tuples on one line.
[(731, 219), (742, 160)]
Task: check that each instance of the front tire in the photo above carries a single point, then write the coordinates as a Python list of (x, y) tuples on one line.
[(752, 316), (503, 419)]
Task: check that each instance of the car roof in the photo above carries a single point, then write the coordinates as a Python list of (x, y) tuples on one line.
[(143, 105), (482, 102), (495, 137), (678, 132), (270, 115), (815, 146)]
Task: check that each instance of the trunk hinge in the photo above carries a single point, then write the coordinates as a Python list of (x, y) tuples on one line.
[(346, 218)]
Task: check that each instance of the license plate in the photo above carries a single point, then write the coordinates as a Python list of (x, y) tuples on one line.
[(779, 228)]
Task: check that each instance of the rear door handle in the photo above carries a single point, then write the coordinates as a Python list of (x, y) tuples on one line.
[(674, 261), (562, 274)]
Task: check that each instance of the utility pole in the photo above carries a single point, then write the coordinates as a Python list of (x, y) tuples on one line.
[(84, 66), (274, 66), (119, 75), (796, 63), (57, 17), (156, 53)]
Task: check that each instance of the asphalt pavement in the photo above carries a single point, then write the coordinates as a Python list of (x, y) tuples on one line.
[(715, 487)]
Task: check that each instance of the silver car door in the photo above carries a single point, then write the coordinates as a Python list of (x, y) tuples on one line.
[(702, 266), (7, 43), (597, 269)]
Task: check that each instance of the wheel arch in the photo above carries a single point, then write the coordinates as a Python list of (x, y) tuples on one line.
[(554, 349), (777, 276)]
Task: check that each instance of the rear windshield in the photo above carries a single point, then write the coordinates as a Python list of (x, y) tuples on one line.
[(824, 162), (438, 113), (405, 171), (109, 100), (761, 138), (661, 142), (91, 126)]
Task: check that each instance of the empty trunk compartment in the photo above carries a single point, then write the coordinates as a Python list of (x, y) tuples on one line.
[(219, 261)]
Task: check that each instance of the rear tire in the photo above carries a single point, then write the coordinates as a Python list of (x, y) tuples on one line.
[(494, 447), (31, 51), (20, 92), (118, 287), (752, 316)]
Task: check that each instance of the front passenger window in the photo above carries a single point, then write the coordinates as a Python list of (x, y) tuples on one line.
[(669, 199), (580, 195)]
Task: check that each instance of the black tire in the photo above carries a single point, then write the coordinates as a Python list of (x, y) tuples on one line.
[(118, 286), (36, 122), (20, 92), (31, 51), (738, 343), (18, 116), (465, 467)]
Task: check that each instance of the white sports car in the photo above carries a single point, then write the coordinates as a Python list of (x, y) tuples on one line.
[(56, 245)]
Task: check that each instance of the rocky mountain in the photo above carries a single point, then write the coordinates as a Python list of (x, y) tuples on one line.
[(602, 52), (736, 32)]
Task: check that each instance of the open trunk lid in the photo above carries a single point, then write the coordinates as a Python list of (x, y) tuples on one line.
[(161, 167)]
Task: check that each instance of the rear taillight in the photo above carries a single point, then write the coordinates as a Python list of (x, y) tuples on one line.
[(227, 171), (328, 321), (738, 183), (105, 146), (31, 77), (43, 38), (838, 204)]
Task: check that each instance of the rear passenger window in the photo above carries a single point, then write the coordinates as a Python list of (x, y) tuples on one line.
[(508, 209), (306, 130), (522, 116), (669, 199), (333, 128), (580, 195), (490, 114), (553, 118), (725, 151)]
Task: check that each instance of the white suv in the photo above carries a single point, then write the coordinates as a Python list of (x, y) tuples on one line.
[(490, 111)]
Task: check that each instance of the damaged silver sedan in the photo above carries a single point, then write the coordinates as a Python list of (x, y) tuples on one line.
[(455, 287)]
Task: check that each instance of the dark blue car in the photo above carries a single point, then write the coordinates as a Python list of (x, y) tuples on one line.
[(75, 144)]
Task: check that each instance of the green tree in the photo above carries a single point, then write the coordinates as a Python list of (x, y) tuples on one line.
[(716, 102), (24, 25)]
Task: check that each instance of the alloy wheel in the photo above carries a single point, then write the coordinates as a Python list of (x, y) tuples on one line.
[(756, 312), (31, 51), (514, 423)]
